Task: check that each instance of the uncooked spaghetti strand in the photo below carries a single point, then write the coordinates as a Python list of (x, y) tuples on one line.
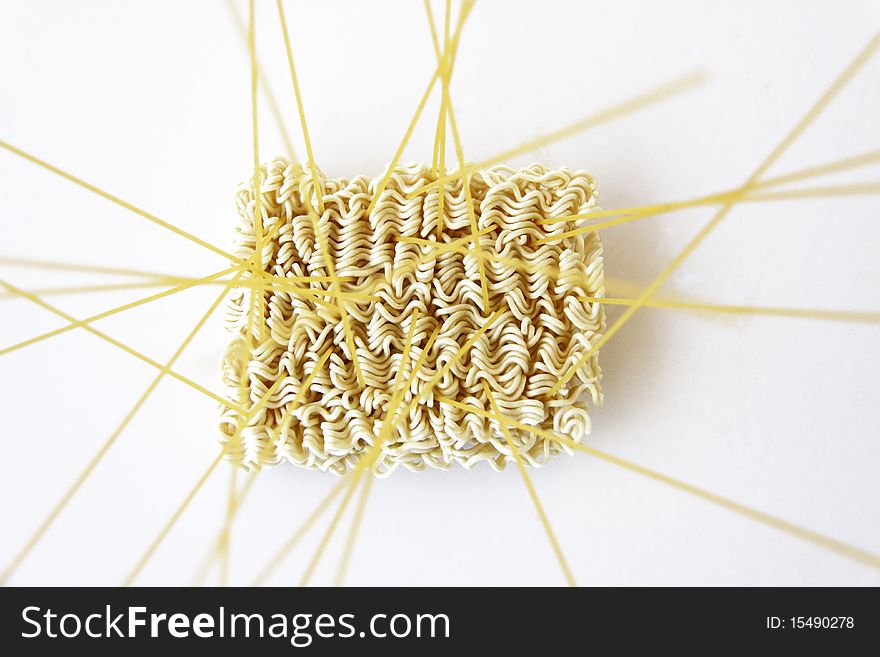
[(301, 531), (551, 535), (116, 343), (736, 194), (118, 201), (108, 313), (342, 569), (614, 112), (836, 191), (820, 540), (242, 30), (84, 475), (319, 185), (396, 396), (214, 551), (166, 528), (421, 106), (799, 313), (861, 59)]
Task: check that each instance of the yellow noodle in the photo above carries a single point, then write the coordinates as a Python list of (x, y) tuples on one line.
[(395, 281)]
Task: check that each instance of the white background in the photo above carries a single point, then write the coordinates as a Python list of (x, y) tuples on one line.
[(151, 100)]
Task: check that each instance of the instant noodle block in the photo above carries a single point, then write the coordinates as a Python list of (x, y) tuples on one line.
[(393, 272)]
